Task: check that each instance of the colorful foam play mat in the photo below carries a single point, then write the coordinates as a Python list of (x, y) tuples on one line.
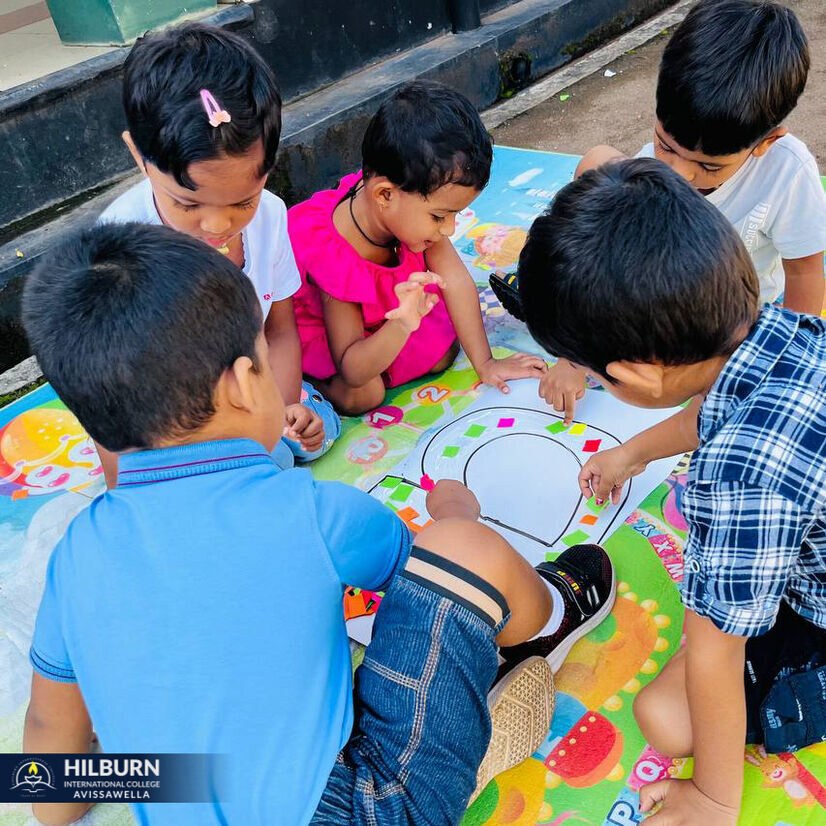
[(521, 460)]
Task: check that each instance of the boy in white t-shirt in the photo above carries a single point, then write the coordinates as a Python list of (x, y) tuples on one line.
[(204, 120), (730, 75)]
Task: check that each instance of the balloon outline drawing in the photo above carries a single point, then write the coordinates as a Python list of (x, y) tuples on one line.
[(515, 428)]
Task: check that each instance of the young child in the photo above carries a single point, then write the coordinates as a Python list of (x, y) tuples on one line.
[(204, 119), (384, 295), (636, 277), (730, 75), (197, 606)]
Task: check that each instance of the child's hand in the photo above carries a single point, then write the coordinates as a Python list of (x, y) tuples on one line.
[(518, 366), (562, 386), (605, 473), (452, 499), (681, 803), (304, 426), (414, 302)]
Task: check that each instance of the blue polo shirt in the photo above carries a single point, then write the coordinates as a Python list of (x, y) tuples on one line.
[(199, 608)]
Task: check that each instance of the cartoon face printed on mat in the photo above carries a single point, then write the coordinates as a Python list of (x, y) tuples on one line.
[(785, 772), (496, 246), (45, 451)]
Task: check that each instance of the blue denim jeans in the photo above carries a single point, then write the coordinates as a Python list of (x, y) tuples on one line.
[(421, 716), (286, 453), (786, 684)]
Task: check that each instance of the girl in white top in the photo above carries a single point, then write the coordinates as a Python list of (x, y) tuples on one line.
[(204, 120)]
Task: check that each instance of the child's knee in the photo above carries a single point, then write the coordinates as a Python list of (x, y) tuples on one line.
[(355, 401), (447, 359), (658, 718), (489, 556), (470, 544), (646, 707)]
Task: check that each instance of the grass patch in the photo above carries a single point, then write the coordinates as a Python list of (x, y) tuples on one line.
[(8, 398)]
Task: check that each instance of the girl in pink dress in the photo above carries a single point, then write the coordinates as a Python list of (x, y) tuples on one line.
[(384, 297)]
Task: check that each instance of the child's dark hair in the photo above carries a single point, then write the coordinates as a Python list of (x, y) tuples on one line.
[(631, 263), (732, 72), (425, 136), (163, 78), (133, 325)]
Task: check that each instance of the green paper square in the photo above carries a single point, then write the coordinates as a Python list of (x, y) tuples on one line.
[(475, 431), (575, 538), (401, 493), (389, 482), (593, 506), (556, 427), (450, 452)]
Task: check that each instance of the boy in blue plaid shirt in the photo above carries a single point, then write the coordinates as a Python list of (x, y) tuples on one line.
[(633, 275)]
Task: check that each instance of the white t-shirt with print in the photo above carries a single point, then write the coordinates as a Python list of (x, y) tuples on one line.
[(268, 256), (778, 206)]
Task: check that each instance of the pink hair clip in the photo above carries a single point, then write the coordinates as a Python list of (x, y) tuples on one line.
[(214, 112)]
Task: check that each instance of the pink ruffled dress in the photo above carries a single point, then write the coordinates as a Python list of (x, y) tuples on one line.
[(327, 262)]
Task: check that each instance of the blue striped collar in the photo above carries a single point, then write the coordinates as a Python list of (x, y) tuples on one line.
[(165, 463)]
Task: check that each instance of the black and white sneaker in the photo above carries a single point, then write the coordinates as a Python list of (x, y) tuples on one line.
[(585, 577), (505, 287)]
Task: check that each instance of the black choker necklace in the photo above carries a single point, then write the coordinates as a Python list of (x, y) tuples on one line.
[(351, 196)]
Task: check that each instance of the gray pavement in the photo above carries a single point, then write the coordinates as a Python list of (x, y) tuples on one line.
[(620, 110)]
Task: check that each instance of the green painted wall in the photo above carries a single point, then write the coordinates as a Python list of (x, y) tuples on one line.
[(117, 21)]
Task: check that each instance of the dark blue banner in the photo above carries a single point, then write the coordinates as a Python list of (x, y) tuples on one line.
[(110, 778)]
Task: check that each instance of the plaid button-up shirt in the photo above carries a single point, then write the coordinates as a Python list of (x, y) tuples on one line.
[(755, 502)]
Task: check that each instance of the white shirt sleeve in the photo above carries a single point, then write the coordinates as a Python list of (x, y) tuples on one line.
[(271, 266), (136, 204), (287, 277), (798, 227)]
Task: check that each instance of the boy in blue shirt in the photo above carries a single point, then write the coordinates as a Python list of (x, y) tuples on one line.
[(635, 276), (197, 607)]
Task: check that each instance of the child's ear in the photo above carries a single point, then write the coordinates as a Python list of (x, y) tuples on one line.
[(767, 142), (382, 191), (643, 378), (133, 151), (238, 384)]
